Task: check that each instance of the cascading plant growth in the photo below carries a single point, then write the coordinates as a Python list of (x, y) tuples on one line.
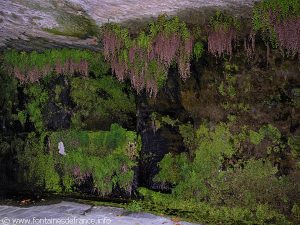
[(145, 60), (31, 67), (279, 23), (222, 34)]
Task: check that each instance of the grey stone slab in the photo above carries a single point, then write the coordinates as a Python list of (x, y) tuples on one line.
[(107, 211), (7, 210), (4, 208), (61, 209), (78, 211), (27, 215), (72, 211), (142, 215), (15, 212)]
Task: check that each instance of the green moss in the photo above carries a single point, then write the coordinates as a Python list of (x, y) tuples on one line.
[(74, 26)]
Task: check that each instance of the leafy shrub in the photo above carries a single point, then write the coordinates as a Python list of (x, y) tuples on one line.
[(248, 184), (207, 213), (209, 175), (211, 147), (189, 136)]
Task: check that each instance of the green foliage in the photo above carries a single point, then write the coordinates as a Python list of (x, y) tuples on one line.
[(296, 211), (168, 120), (294, 143), (261, 16), (107, 156), (228, 88), (267, 131), (188, 134), (58, 89), (198, 50), (231, 68), (104, 98), (172, 168), (47, 60), (8, 95), (149, 55), (22, 116), (224, 21), (252, 182), (38, 166), (204, 178), (37, 98), (168, 27), (212, 146), (207, 213), (134, 206), (256, 137)]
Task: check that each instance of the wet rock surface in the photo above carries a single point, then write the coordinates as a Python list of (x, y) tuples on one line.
[(77, 213), (38, 24)]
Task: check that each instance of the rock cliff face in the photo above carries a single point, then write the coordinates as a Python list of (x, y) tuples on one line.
[(38, 24), (235, 112)]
